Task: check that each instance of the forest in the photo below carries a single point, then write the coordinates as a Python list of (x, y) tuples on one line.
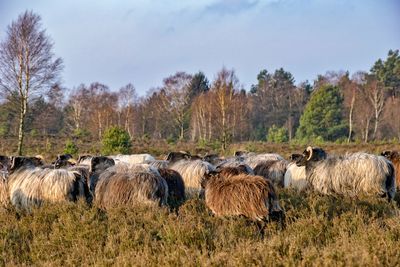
[(337, 106)]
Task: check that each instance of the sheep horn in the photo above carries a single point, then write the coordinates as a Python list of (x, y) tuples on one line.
[(309, 150)]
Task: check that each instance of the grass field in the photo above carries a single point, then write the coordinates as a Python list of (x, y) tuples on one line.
[(320, 231)]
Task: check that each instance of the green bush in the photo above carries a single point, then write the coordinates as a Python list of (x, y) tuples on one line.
[(71, 148), (116, 141), (277, 135), (322, 116)]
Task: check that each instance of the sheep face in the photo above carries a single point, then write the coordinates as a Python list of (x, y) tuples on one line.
[(19, 162), (310, 155), (295, 157), (4, 163), (390, 154), (176, 156), (64, 161), (97, 166)]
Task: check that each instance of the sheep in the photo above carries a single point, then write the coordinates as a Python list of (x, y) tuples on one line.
[(234, 162), (4, 165), (4, 199), (192, 172), (253, 159), (394, 157), (214, 159), (177, 156), (248, 195), (64, 161), (97, 166), (349, 175), (133, 159), (85, 160), (130, 185), (295, 176), (176, 187), (30, 185), (158, 163), (235, 167), (273, 170)]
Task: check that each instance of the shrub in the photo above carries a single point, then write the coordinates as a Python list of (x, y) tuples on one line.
[(116, 141), (277, 135), (71, 148)]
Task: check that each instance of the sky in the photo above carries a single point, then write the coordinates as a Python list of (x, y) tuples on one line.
[(117, 42)]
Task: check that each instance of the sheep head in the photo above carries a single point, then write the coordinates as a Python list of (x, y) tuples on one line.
[(311, 154)]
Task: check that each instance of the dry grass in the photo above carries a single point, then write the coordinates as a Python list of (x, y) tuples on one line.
[(320, 231)]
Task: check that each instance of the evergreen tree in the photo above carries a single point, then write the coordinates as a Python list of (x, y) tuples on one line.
[(116, 141), (388, 72), (322, 117)]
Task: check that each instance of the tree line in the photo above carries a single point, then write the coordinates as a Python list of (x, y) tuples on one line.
[(363, 106)]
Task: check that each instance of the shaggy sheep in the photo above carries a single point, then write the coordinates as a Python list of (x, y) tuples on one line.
[(97, 166), (251, 196), (394, 157), (158, 163), (177, 156), (30, 185), (253, 159), (84, 160), (234, 162), (133, 159), (214, 159), (234, 170), (176, 187), (192, 172), (295, 176), (64, 161), (273, 170), (130, 185), (349, 175)]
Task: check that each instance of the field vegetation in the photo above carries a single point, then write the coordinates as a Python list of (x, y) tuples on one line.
[(320, 230)]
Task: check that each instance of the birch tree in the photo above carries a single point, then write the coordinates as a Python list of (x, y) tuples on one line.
[(28, 66)]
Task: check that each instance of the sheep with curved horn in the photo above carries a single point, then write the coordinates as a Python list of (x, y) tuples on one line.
[(349, 175)]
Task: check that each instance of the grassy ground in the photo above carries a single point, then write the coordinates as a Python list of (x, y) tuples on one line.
[(320, 231)]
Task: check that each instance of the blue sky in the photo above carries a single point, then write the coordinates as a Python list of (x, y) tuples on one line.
[(116, 42)]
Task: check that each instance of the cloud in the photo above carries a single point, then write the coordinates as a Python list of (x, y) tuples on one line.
[(232, 7)]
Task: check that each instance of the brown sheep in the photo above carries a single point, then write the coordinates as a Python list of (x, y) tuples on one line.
[(176, 187), (232, 171), (394, 157), (248, 195), (130, 185)]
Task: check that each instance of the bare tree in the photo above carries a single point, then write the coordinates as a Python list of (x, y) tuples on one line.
[(127, 98), (27, 65), (225, 87)]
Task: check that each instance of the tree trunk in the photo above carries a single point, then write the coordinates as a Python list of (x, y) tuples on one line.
[(23, 109), (366, 131), (351, 117)]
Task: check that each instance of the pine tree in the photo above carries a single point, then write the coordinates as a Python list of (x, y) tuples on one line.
[(322, 117)]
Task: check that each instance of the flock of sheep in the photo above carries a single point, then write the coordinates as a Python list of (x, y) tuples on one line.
[(243, 185)]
